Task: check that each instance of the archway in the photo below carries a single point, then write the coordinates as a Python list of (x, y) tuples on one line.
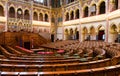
[(93, 10), (41, 17), (102, 8), (20, 26), (67, 16), (101, 33), (26, 15), (72, 15), (85, 34), (66, 34), (86, 11), (35, 16), (113, 34), (20, 13), (77, 14), (71, 34), (12, 12), (46, 18), (1, 11), (92, 33), (76, 34)]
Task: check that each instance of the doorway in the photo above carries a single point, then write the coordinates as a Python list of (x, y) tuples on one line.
[(101, 35), (27, 45)]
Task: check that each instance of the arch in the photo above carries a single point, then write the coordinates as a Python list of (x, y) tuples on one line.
[(119, 28), (71, 31), (77, 14), (71, 34), (35, 16), (113, 36), (45, 30), (92, 30), (101, 32), (66, 31), (76, 29), (113, 29), (100, 27), (85, 30), (76, 36), (1, 10), (26, 15), (19, 13), (71, 15), (12, 12), (46, 18), (41, 17), (93, 10), (72, 0), (102, 8), (115, 4), (85, 34), (86, 11), (67, 16), (66, 34), (92, 34)]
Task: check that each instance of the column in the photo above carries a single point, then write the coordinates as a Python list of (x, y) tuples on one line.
[(97, 10), (6, 15), (74, 12), (30, 27), (107, 21), (89, 12), (38, 16), (118, 4), (79, 27), (44, 17), (63, 16), (48, 3), (97, 35), (23, 10), (69, 16)]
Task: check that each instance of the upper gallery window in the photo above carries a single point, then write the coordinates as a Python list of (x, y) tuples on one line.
[(41, 1)]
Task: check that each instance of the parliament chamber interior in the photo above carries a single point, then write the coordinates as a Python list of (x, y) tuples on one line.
[(59, 37)]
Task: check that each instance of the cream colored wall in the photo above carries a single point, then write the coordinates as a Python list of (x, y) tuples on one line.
[(60, 33), (112, 37), (96, 25), (74, 26)]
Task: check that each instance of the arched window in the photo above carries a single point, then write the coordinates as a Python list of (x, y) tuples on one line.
[(67, 16), (67, 1), (41, 17), (77, 14), (72, 0), (71, 31), (116, 4), (86, 12), (41, 1), (45, 2), (12, 12), (72, 15), (35, 16), (26, 15), (1, 11), (102, 8), (19, 13), (93, 10), (46, 17)]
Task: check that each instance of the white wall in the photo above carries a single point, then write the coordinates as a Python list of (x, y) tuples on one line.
[(60, 33)]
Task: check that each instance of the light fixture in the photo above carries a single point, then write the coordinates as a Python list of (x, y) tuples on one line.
[(19, 12)]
